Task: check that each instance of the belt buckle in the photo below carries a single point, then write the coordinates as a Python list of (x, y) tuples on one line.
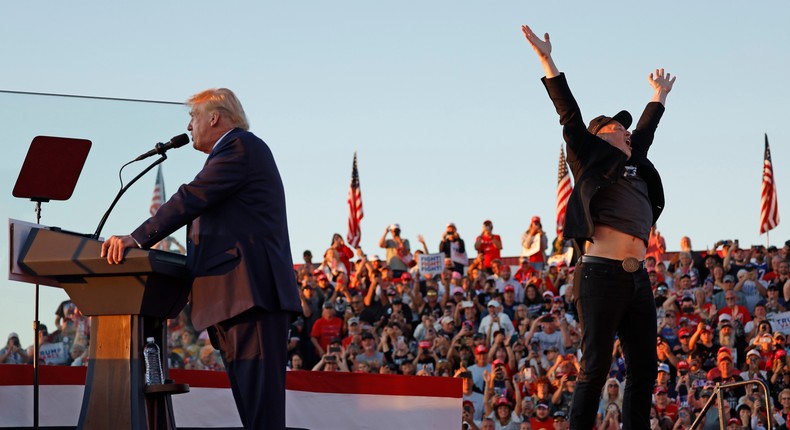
[(630, 264)]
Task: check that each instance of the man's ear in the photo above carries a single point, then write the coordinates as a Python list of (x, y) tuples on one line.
[(214, 118)]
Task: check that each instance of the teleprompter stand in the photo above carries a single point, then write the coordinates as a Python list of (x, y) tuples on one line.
[(50, 172)]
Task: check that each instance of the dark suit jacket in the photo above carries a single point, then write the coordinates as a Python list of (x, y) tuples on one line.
[(596, 164), (238, 249)]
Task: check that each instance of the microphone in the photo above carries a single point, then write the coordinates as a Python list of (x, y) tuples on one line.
[(161, 148)]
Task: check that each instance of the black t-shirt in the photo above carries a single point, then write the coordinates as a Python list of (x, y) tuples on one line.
[(509, 310), (734, 268), (624, 205), (731, 395), (405, 310), (705, 355), (435, 309), (373, 313)]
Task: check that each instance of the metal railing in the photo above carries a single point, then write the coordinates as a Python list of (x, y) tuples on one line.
[(720, 403)]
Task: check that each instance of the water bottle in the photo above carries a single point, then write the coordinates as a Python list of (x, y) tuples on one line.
[(65, 353), (153, 363)]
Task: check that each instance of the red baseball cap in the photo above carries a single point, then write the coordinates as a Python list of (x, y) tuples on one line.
[(481, 349), (535, 219), (683, 365), (724, 357)]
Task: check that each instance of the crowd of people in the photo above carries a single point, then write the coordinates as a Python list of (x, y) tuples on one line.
[(511, 333), (69, 343)]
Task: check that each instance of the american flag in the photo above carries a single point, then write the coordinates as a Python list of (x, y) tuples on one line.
[(564, 189), (159, 192), (355, 213), (769, 209)]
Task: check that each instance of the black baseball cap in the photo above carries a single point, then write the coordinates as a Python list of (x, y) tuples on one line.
[(623, 117)]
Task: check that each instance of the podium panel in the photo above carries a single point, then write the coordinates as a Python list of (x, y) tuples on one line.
[(149, 283), (128, 302)]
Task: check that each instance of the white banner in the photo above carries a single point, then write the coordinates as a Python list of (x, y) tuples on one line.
[(314, 400), (306, 410), (431, 264), (780, 322), (457, 256)]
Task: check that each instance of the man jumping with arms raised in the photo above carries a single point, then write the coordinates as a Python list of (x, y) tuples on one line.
[(617, 197)]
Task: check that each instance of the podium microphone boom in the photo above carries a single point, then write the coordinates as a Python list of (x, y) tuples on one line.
[(161, 148)]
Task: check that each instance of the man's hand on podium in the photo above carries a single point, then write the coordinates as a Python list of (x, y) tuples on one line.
[(114, 247)]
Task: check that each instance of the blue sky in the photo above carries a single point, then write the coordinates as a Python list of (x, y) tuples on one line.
[(441, 100)]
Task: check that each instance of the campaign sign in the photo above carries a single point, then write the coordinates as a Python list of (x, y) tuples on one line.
[(431, 264), (457, 256), (781, 322)]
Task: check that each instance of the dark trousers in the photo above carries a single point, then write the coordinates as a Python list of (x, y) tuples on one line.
[(612, 302), (253, 347)]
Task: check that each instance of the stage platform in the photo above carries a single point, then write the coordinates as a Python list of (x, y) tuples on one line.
[(314, 400)]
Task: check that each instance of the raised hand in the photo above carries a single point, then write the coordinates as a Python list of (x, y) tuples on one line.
[(662, 84), (541, 46), (659, 80)]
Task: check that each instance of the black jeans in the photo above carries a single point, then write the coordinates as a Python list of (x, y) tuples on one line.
[(612, 302)]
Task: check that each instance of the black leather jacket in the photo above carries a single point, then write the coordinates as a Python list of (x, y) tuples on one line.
[(596, 164)]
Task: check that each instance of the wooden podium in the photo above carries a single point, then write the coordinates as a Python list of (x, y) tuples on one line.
[(128, 302)]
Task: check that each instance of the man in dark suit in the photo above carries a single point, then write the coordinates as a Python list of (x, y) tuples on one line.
[(617, 197), (238, 253)]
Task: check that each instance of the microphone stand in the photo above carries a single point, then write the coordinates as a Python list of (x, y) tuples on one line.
[(123, 190)]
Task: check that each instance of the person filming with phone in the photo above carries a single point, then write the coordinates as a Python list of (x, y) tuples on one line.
[(13, 353)]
